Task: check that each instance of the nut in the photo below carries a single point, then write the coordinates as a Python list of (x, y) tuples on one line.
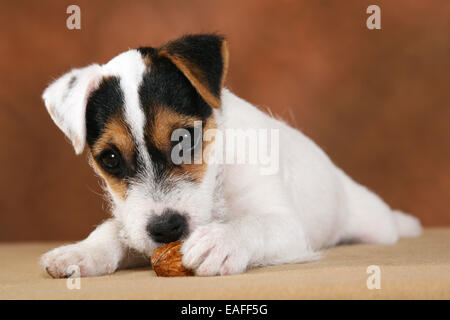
[(166, 261)]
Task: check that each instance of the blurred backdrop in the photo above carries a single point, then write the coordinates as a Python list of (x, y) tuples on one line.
[(378, 102)]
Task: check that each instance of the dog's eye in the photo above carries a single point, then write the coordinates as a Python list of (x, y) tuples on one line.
[(191, 136), (110, 159), (185, 144), (189, 140)]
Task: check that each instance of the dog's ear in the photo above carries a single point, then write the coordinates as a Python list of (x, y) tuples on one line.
[(203, 59), (66, 99)]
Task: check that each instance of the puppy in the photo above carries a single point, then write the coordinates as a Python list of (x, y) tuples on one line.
[(230, 216)]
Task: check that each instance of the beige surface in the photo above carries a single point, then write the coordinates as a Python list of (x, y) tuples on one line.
[(411, 269)]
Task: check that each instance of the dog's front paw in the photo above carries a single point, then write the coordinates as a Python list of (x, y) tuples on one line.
[(214, 249), (91, 261)]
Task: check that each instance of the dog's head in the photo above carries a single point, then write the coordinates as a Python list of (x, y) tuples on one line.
[(137, 114)]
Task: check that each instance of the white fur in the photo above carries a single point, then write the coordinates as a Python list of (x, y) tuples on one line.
[(237, 217), (67, 107)]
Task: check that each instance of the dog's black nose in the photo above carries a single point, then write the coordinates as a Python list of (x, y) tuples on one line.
[(168, 227)]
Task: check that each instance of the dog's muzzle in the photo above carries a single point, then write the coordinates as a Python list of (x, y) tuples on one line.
[(168, 227)]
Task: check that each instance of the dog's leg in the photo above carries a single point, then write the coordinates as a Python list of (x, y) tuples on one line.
[(275, 237), (100, 253)]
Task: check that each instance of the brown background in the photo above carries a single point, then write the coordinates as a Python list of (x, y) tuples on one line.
[(376, 101)]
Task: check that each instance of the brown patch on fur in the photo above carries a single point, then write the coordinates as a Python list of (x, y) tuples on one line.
[(77, 144), (118, 186), (115, 133), (50, 111), (195, 76), (225, 59), (197, 171), (147, 60), (164, 122)]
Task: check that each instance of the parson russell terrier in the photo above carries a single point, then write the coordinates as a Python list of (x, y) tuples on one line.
[(229, 216)]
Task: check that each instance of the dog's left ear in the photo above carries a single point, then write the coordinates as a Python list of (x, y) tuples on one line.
[(66, 100), (203, 59)]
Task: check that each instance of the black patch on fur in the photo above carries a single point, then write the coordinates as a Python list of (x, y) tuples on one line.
[(205, 51), (147, 51), (72, 82), (162, 164), (70, 85), (164, 85), (102, 104)]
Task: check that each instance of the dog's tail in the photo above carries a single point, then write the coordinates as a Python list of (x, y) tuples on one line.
[(407, 225)]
